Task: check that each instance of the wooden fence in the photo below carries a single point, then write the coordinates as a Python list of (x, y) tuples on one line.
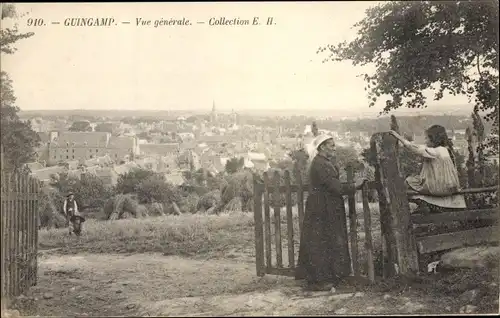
[(19, 243), (400, 246), (268, 194)]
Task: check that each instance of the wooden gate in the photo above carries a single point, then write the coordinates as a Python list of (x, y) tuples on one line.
[(402, 247), (19, 243), (271, 239)]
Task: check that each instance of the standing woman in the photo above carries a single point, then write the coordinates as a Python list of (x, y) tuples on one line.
[(324, 258)]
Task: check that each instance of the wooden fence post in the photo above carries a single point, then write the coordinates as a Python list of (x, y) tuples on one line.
[(300, 195), (259, 233), (289, 220), (370, 268), (267, 222), (353, 222), (277, 218), (395, 209)]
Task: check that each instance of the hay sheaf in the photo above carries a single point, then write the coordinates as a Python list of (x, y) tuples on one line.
[(50, 208), (156, 209), (209, 200), (124, 206), (233, 205)]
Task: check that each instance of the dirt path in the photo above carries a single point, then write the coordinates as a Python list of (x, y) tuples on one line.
[(153, 284)]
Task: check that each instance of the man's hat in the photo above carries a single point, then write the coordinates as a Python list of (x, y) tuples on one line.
[(74, 217), (70, 193)]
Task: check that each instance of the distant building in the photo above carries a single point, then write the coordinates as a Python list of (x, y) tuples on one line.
[(165, 149), (213, 114), (44, 174), (88, 145)]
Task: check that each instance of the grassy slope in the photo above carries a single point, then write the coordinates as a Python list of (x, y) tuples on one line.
[(221, 236)]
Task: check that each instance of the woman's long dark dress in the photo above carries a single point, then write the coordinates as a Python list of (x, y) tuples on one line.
[(324, 250)]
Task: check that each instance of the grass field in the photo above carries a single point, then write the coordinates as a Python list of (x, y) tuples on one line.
[(206, 256), (186, 234)]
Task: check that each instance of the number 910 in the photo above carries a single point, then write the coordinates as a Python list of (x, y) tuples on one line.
[(35, 22)]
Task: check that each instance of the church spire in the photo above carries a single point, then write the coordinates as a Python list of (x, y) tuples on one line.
[(213, 115)]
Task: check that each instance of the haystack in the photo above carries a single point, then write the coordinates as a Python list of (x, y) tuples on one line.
[(156, 209), (209, 200), (50, 208), (123, 206), (234, 205)]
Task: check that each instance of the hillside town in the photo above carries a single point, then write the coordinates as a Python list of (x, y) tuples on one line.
[(109, 149)]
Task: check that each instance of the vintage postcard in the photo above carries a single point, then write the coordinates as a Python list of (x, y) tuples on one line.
[(249, 158)]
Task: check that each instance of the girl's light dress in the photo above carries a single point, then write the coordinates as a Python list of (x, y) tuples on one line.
[(437, 180)]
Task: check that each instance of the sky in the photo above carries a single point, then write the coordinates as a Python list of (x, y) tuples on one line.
[(189, 67)]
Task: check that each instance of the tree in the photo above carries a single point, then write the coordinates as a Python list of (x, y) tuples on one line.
[(156, 189), (314, 129), (8, 36), (18, 140), (82, 125), (347, 156), (437, 45), (104, 127), (234, 165), (128, 182), (90, 191)]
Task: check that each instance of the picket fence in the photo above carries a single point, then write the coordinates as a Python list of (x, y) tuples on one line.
[(19, 224)]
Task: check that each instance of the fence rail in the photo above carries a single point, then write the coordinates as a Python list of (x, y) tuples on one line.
[(273, 192), (403, 247), (19, 224)]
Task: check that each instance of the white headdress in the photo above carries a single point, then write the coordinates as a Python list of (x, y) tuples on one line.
[(312, 148)]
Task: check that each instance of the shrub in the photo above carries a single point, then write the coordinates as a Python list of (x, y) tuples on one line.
[(127, 183), (156, 189), (89, 190)]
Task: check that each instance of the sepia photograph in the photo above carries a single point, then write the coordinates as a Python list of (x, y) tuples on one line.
[(231, 158)]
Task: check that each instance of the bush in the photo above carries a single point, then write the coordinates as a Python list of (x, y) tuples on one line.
[(90, 191), (156, 189), (127, 183)]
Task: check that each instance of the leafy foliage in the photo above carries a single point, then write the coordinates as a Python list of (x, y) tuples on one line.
[(80, 126), (420, 45), (149, 186), (104, 127), (18, 140), (17, 137), (127, 182), (156, 189), (8, 36), (314, 129), (90, 191), (234, 165)]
